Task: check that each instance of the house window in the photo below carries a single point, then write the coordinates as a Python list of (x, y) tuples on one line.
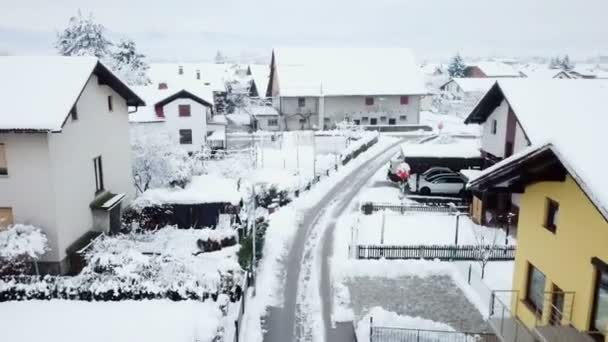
[(364, 118), (405, 100), (494, 126), (185, 136), (600, 303), (403, 117), (369, 101), (373, 121), (551, 215), (302, 121), (3, 165), (98, 174), (301, 102), (6, 217), (74, 113), (273, 122), (184, 109), (357, 122), (535, 289), (110, 104), (383, 119), (326, 120), (392, 121)]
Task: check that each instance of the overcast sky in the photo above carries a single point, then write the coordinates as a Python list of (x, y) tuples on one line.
[(195, 30)]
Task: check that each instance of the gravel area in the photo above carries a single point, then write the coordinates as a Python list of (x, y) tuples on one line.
[(436, 298)]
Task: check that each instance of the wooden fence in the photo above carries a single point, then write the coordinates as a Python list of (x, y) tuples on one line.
[(441, 252)]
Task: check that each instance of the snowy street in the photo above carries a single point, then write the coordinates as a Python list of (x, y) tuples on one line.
[(295, 320)]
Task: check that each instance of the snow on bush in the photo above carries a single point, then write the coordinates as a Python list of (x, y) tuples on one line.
[(365, 141), (163, 264), (19, 244), (159, 162)]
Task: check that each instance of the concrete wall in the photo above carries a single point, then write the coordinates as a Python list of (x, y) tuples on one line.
[(197, 122), (97, 132), (564, 256), (495, 143)]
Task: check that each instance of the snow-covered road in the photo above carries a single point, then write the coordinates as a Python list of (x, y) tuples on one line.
[(306, 311)]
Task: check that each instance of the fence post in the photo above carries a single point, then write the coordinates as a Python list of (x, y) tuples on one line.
[(469, 274), (417, 335), (371, 329), (236, 331)]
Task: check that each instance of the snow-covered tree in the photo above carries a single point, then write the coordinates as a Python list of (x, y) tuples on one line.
[(129, 63), (20, 244), (220, 58), (555, 63), (83, 37), (566, 64), (159, 162), (485, 247), (457, 66)]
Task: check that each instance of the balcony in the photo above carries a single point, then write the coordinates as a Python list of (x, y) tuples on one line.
[(552, 322)]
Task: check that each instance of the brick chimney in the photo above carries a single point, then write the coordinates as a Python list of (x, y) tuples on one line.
[(162, 86), (180, 70), (198, 74)]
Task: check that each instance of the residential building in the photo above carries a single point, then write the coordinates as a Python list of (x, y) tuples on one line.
[(560, 280), (316, 88), (181, 111), (509, 126), (65, 156), (459, 88), (491, 69), (543, 71)]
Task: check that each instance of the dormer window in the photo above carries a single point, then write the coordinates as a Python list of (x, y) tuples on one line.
[(162, 86)]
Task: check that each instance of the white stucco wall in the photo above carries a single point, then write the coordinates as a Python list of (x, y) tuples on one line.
[(28, 188), (521, 141), (97, 132), (51, 179), (197, 122), (495, 143), (338, 107)]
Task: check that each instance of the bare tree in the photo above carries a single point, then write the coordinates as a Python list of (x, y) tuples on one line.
[(485, 248)]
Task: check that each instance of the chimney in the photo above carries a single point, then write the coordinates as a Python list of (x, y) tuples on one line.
[(180, 70), (162, 86), (198, 74)]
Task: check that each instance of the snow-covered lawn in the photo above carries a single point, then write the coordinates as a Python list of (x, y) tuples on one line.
[(126, 321), (451, 123), (392, 228)]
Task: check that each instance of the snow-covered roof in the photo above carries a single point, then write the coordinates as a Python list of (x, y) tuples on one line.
[(347, 71), (219, 135), (260, 73), (240, 119), (570, 117), (541, 71), (473, 85), (202, 189), (432, 68), (255, 110), (212, 75), (37, 93), (470, 173), (444, 147), (152, 95), (497, 69)]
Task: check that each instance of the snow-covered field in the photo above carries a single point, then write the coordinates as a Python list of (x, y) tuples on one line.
[(392, 228), (126, 321)]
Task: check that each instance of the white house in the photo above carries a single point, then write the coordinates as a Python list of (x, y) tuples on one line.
[(460, 88), (315, 88), (181, 112), (65, 157)]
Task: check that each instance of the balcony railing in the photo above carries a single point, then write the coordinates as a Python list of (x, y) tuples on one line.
[(553, 321)]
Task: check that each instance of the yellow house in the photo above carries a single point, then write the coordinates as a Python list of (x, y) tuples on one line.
[(560, 282), (561, 267)]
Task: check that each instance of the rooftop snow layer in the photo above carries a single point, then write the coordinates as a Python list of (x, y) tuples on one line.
[(202, 189), (444, 148), (497, 69), (37, 93), (347, 71), (152, 95), (212, 75), (473, 85)]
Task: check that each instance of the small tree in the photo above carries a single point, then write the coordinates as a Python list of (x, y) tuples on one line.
[(566, 64), (159, 162), (457, 67), (484, 249), (555, 63), (129, 63), (20, 244), (83, 37), (220, 58)]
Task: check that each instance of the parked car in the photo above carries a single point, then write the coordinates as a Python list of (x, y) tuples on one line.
[(442, 184), (437, 170)]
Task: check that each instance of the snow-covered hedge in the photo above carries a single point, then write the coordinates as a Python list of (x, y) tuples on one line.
[(164, 264), (19, 245), (366, 140)]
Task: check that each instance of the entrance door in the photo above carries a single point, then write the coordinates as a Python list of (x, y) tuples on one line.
[(115, 219), (557, 306)]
